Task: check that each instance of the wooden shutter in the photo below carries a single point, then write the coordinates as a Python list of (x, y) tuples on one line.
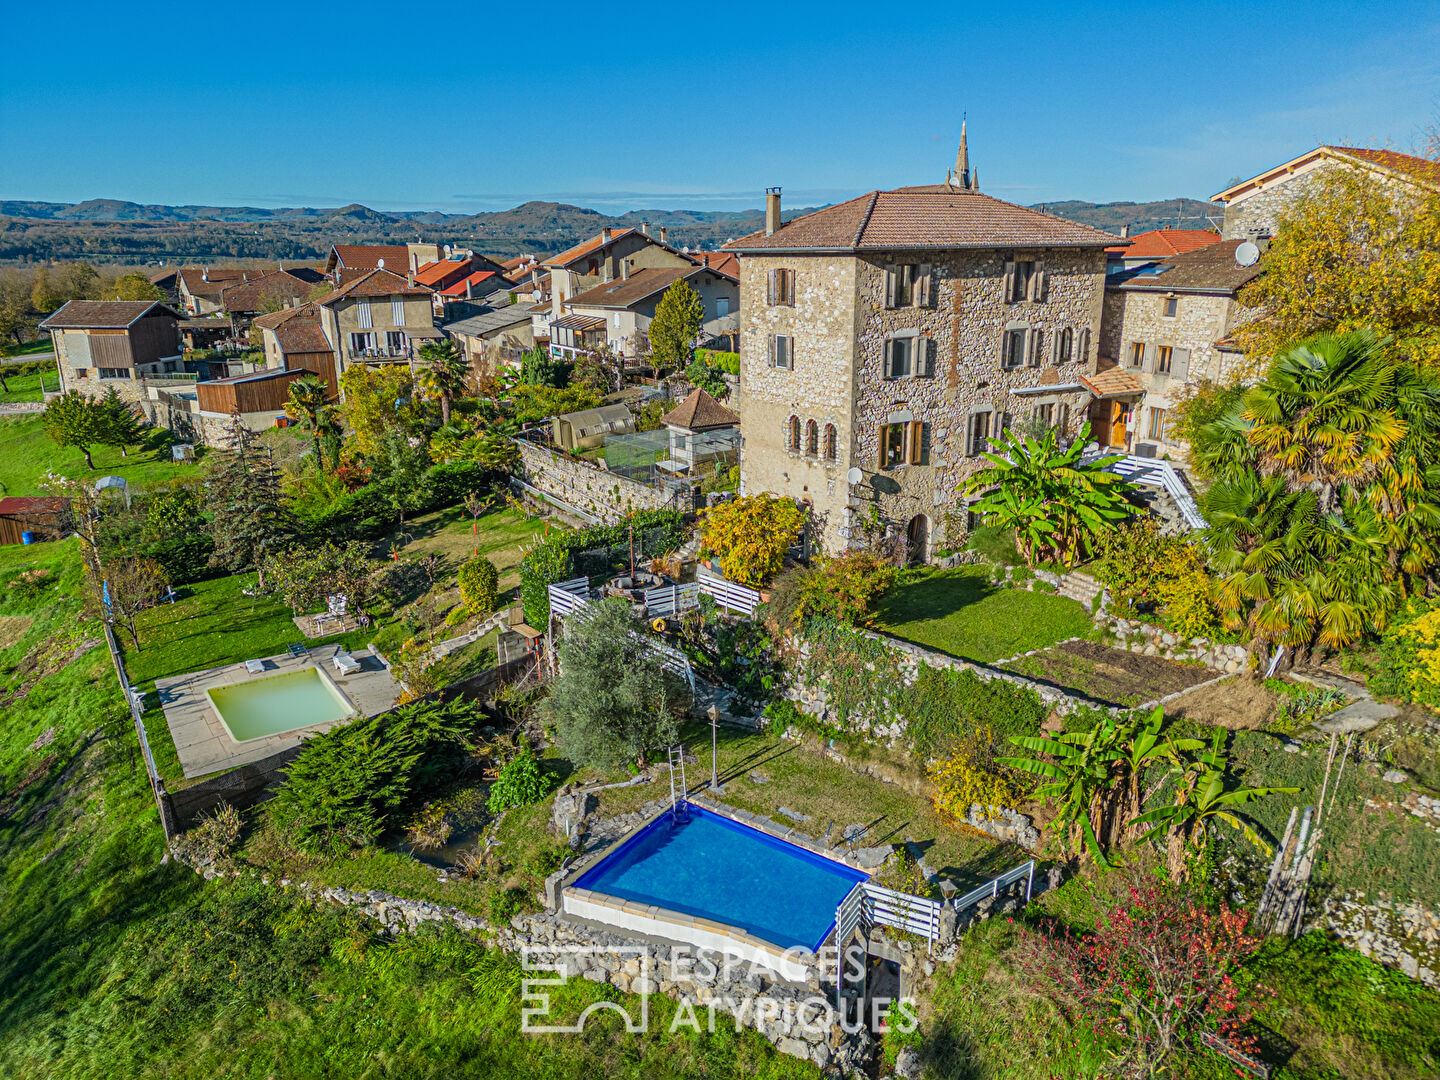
[(1009, 280), (923, 290), (772, 347), (787, 287), (923, 352), (889, 358), (1055, 338), (917, 440), (892, 285), (772, 291), (1062, 412), (1037, 345), (1039, 281), (1147, 358), (881, 434), (1179, 363), (1004, 340)]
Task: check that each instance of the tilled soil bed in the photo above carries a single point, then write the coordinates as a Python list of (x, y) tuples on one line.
[(1109, 676)]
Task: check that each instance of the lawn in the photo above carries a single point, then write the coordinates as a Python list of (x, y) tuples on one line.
[(38, 347), (28, 387), (499, 534), (960, 613), (29, 453)]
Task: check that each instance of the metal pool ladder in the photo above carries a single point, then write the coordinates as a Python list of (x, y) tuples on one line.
[(679, 808)]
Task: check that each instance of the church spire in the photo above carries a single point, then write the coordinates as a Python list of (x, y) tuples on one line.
[(962, 176)]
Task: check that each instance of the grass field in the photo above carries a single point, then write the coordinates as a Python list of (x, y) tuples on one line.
[(37, 347), (960, 613), (27, 453), (29, 387), (500, 534)]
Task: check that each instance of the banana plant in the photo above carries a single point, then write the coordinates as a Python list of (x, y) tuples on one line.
[(1145, 747), (1200, 799)]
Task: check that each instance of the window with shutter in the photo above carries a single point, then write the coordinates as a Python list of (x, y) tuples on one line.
[(1045, 415), (1066, 347), (892, 445), (1014, 355), (1035, 284), (1137, 355), (1180, 364), (900, 363), (916, 441), (1172, 306), (1163, 354), (1024, 279), (781, 349), (1063, 419), (365, 315), (397, 312), (924, 278), (978, 434), (1037, 346), (1082, 345), (781, 288), (792, 434), (1157, 424)]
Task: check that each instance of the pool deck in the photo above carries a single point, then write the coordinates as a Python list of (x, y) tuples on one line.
[(205, 747)]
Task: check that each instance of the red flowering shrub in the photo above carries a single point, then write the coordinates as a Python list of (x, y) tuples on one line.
[(1158, 971)]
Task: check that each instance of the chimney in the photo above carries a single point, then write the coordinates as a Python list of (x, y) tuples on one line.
[(410, 279), (469, 289), (645, 228), (772, 210), (605, 235), (662, 234), (624, 269), (1125, 231)]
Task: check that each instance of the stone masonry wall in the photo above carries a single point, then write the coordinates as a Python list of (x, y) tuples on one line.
[(840, 326), (606, 495), (1398, 935)]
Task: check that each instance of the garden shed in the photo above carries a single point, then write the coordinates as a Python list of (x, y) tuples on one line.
[(41, 516)]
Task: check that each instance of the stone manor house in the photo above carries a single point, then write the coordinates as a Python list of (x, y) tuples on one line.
[(886, 339)]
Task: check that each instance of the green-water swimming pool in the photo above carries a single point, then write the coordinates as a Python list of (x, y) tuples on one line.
[(275, 704)]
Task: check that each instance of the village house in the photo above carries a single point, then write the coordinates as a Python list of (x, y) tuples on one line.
[(494, 340), (114, 344), (347, 261), (1166, 329), (1253, 207), (377, 318), (292, 339), (200, 287), (606, 257), (885, 340), (618, 313), (264, 292)]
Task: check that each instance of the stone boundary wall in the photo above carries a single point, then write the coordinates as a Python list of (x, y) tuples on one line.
[(1150, 640), (606, 495)]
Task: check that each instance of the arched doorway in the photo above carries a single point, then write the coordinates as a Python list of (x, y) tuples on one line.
[(917, 539)]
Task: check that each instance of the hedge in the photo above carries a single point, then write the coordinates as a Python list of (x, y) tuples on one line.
[(656, 533), (728, 362), (30, 367)]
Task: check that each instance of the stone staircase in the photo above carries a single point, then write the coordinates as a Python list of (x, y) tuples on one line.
[(1081, 587)]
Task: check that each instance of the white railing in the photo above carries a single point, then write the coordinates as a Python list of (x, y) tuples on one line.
[(571, 598), (913, 914), (730, 595), (1156, 473), (669, 599), (991, 889), (568, 595)]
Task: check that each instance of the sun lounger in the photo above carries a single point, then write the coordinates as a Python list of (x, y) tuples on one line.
[(254, 667), (298, 649), (346, 664)]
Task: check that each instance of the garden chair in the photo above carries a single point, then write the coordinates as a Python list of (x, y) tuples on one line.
[(345, 663), (254, 667)]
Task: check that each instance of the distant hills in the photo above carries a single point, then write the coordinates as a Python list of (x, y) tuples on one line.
[(115, 231)]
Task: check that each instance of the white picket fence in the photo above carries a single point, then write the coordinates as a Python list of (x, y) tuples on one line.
[(669, 599), (572, 598), (568, 595), (664, 599), (729, 594)]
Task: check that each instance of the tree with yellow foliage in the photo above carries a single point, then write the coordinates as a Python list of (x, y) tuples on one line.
[(1355, 252), (751, 535)]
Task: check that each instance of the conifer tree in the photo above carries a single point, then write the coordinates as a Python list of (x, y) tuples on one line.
[(251, 521), (119, 426)]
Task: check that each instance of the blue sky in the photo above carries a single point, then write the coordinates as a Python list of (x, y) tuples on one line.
[(478, 107)]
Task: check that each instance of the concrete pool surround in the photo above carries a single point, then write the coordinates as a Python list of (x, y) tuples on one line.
[(793, 963)]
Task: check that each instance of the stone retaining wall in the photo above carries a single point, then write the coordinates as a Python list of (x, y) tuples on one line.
[(606, 495), (1399, 935), (1150, 640)]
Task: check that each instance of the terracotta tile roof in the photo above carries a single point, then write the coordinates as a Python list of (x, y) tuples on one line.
[(437, 275), (1210, 269), (587, 247), (273, 319), (458, 288), (1157, 243), (1112, 382), (194, 279), (923, 218), (279, 285), (700, 412), (368, 256), (374, 283), (32, 504), (722, 262), (1420, 168), (301, 336), (642, 283), (101, 314)]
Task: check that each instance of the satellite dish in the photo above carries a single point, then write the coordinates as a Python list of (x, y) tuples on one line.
[(380, 264), (854, 476), (1247, 254)]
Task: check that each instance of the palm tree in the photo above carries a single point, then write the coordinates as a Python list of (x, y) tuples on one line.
[(444, 379), (1201, 798), (1053, 500), (309, 403)]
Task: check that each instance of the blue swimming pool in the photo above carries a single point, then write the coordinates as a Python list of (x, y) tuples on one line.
[(719, 869)]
